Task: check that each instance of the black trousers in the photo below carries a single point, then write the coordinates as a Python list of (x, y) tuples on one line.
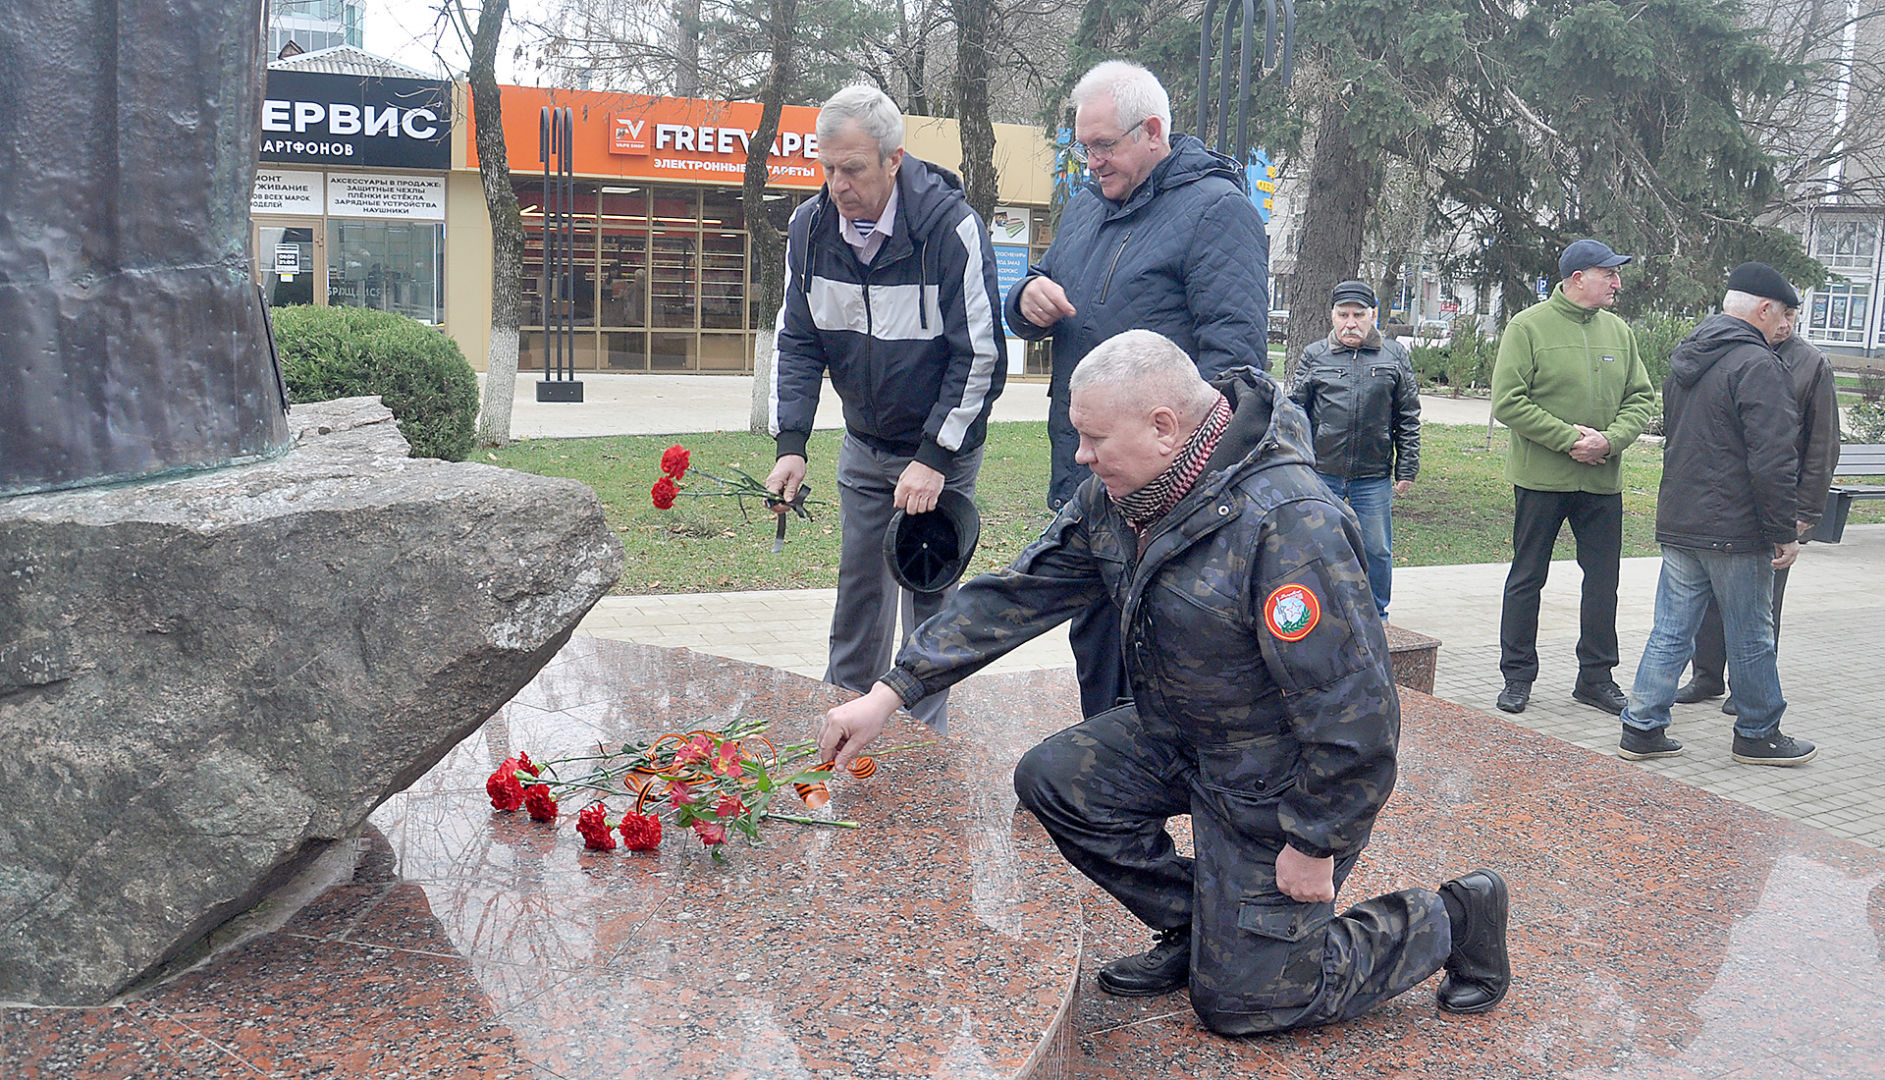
[(1597, 524), (1711, 643), (1260, 961), (1098, 662)]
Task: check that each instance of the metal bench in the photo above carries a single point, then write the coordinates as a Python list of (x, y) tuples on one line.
[(1854, 460)]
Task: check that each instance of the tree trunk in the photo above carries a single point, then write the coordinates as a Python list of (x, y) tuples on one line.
[(974, 19), (766, 236), (1341, 188), (507, 228), (687, 48)]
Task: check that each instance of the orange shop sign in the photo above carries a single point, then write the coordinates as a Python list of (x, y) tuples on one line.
[(657, 138)]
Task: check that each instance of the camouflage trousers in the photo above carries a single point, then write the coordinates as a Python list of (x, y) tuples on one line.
[(1260, 961)]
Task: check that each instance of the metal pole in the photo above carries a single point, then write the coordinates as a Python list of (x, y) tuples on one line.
[(549, 241)]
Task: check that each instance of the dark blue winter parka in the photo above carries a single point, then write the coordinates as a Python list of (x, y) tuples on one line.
[(1184, 255), (912, 342), (1249, 630)]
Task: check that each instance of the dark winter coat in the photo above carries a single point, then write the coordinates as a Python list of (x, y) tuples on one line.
[(1816, 396), (1250, 633), (1184, 255), (1730, 464), (1363, 405), (912, 342)]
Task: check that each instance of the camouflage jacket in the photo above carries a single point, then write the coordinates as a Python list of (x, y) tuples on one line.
[(1250, 634)]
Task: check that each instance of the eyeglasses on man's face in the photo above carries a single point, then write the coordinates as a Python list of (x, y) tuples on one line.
[(1101, 147)]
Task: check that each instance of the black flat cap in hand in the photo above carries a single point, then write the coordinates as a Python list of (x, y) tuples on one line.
[(928, 552)]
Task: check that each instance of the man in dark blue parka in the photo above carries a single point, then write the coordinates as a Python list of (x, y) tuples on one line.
[(1163, 238)]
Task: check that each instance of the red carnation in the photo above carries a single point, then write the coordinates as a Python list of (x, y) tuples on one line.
[(524, 764), (664, 493), (699, 748), (593, 824), (503, 787), (710, 832), (674, 461), (538, 801), (641, 832)]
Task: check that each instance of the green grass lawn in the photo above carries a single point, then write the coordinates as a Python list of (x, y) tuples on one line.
[(1460, 511)]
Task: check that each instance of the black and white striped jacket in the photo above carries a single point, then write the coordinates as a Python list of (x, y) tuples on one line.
[(913, 342)]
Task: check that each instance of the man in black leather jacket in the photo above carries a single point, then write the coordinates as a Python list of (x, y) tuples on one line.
[(1364, 408), (1263, 707)]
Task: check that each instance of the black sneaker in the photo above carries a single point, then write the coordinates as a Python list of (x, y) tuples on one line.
[(1776, 749), (1698, 689), (1478, 970), (1730, 707), (1606, 696), (1515, 696), (1163, 968), (1637, 745)]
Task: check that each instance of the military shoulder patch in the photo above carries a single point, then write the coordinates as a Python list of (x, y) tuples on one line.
[(1291, 611)]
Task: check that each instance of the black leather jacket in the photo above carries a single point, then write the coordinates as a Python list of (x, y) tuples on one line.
[(1364, 407)]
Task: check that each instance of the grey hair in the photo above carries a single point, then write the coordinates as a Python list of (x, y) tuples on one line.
[(1737, 303), (1151, 370), (1137, 94), (870, 109)]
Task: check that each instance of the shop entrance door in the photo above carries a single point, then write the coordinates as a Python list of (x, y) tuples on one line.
[(291, 261)]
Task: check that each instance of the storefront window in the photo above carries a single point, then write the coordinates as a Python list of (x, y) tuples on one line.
[(395, 266), (666, 258), (624, 283)]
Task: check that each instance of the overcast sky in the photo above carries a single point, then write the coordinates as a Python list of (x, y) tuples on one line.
[(409, 30)]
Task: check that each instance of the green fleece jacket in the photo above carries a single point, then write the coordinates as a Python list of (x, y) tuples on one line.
[(1561, 365)]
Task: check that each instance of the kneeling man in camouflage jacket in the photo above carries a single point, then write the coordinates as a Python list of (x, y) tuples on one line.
[(1264, 707)]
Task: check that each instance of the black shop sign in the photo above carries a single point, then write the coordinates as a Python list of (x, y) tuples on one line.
[(316, 118)]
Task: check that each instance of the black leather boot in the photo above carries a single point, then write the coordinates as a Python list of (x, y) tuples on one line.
[(1163, 968), (1478, 971)]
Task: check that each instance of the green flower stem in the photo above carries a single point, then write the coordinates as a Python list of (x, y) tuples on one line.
[(834, 823)]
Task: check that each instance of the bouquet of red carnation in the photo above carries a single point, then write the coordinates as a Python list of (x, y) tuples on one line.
[(715, 783), (675, 462)]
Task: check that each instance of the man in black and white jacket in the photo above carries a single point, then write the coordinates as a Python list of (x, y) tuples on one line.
[(890, 289)]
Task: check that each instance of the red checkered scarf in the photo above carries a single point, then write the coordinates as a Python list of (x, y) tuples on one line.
[(1144, 507)]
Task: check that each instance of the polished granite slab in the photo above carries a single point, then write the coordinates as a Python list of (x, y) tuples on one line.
[(1657, 931)]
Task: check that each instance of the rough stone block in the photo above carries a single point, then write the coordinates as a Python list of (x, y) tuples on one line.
[(207, 681)]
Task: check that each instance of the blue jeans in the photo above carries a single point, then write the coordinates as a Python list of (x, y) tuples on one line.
[(1372, 500), (1743, 586)]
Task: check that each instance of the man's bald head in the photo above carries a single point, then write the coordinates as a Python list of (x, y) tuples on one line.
[(1136, 400), (1141, 370)]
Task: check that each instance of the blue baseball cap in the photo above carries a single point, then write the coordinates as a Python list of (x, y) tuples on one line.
[(1584, 254)]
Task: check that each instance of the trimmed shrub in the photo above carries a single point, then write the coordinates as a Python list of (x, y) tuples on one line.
[(417, 372), (1657, 335)]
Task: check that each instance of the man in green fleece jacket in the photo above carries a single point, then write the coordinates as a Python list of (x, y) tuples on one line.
[(1572, 389)]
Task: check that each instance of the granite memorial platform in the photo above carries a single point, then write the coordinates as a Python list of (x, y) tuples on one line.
[(1657, 931)]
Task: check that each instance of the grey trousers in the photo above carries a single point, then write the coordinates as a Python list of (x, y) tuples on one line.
[(864, 635)]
